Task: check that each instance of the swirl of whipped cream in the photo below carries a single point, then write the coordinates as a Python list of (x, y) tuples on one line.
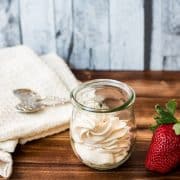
[(100, 138)]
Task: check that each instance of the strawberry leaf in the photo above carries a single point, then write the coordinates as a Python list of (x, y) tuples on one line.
[(176, 128), (171, 106), (153, 127), (163, 115)]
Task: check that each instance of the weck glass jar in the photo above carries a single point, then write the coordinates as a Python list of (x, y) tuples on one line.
[(102, 128)]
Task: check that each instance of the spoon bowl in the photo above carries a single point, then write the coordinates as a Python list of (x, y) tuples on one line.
[(31, 101)]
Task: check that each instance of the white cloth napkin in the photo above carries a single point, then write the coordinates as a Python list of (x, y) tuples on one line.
[(20, 67)]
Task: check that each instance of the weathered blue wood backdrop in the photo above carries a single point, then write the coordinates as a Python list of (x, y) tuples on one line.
[(100, 34)]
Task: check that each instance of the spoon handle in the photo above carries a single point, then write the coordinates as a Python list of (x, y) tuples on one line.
[(52, 101)]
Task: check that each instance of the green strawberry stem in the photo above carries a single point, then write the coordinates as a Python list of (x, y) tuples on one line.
[(165, 115)]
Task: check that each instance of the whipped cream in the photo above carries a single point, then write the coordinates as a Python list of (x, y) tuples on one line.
[(100, 138)]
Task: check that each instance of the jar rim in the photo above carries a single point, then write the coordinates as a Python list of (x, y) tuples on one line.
[(113, 83)]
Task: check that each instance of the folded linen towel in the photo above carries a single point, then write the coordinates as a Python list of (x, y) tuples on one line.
[(21, 68), (62, 70)]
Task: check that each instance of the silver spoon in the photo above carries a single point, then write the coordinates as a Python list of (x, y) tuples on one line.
[(33, 102)]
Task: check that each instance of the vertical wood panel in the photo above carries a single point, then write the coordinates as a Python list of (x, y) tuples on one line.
[(170, 45), (127, 34), (63, 27), (171, 35), (101, 34), (166, 35), (171, 63), (156, 54), (174, 16), (90, 34), (37, 23), (9, 23)]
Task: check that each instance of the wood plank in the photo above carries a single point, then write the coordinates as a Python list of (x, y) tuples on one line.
[(90, 35), (145, 106), (35, 159), (74, 173), (127, 34), (171, 45), (127, 75), (173, 20), (165, 39), (37, 23), (52, 157), (156, 47), (9, 23), (171, 63), (63, 28), (171, 36), (145, 84), (60, 146)]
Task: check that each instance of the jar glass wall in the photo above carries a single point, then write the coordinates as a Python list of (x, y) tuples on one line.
[(102, 128)]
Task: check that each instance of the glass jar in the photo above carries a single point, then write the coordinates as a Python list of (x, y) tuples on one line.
[(102, 128)]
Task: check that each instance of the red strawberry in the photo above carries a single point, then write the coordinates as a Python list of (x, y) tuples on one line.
[(164, 151)]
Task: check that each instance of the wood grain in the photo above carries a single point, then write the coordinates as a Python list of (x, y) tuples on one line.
[(53, 158), (63, 27), (165, 35), (156, 45), (90, 35), (38, 33), (99, 35), (10, 33), (170, 35), (126, 34), (146, 84)]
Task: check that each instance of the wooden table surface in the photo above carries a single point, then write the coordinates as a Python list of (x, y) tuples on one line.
[(53, 158)]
